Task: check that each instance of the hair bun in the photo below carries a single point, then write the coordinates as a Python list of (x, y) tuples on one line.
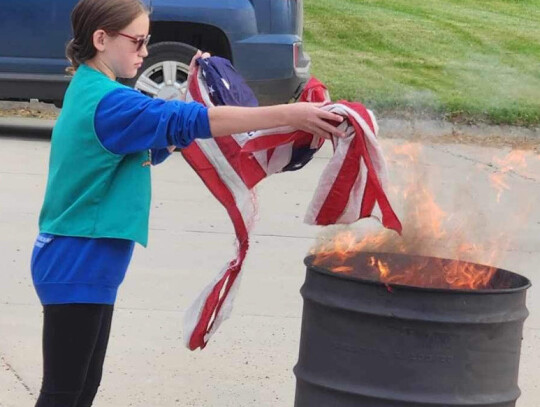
[(73, 49)]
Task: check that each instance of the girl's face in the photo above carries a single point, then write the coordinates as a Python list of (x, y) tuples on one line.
[(119, 53)]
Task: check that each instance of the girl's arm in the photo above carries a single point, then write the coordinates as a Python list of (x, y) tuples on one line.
[(225, 120), (126, 121)]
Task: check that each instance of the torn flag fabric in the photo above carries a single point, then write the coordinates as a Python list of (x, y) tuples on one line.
[(351, 187)]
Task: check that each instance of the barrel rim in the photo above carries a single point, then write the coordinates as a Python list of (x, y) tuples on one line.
[(308, 261)]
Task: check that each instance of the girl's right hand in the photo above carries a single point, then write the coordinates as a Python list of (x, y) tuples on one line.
[(312, 119), (198, 54), (192, 66)]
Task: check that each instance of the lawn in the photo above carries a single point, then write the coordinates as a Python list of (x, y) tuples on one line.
[(465, 60)]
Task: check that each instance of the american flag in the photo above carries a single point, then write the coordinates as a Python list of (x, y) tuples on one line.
[(352, 186)]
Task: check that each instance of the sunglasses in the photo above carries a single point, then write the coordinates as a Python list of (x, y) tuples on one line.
[(139, 41)]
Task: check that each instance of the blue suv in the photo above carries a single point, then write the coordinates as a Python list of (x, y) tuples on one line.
[(262, 38)]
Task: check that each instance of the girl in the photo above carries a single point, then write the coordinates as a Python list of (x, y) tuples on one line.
[(97, 198)]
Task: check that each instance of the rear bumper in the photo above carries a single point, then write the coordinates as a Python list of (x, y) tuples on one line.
[(272, 67), (276, 91)]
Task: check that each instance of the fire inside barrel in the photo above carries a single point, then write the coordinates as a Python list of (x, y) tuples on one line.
[(418, 271), (446, 333)]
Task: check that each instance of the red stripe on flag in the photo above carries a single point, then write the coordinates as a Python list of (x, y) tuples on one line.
[(269, 141), (374, 191), (203, 167), (339, 194), (361, 110), (248, 169), (194, 87), (368, 200)]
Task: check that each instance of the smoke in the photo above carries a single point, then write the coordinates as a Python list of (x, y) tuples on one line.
[(446, 212)]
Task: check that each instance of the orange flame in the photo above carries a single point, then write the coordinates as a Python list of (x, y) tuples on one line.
[(422, 272), (514, 161), (342, 269), (423, 233)]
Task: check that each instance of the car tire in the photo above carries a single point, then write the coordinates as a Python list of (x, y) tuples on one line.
[(164, 72)]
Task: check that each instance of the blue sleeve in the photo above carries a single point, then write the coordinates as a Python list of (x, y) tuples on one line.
[(127, 121), (159, 155)]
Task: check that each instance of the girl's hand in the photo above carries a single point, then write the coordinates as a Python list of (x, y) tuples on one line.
[(311, 118), (192, 65), (198, 54)]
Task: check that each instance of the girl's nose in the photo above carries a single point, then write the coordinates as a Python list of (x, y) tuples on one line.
[(143, 52)]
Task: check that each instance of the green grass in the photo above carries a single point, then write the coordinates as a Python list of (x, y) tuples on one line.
[(473, 60)]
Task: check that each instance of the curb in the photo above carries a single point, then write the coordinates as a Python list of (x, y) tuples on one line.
[(408, 129), (26, 126)]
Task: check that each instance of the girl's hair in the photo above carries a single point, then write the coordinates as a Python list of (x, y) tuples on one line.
[(91, 15)]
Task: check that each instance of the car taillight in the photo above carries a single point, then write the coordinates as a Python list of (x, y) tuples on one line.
[(296, 53)]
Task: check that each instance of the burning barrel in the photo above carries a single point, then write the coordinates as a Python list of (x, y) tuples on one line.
[(381, 330)]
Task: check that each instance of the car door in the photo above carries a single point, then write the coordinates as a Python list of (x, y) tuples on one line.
[(34, 34)]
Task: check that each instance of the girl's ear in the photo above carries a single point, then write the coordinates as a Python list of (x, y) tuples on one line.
[(99, 39)]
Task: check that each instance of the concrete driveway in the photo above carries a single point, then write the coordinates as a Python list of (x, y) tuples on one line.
[(249, 361)]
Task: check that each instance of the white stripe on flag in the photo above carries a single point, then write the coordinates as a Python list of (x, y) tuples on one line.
[(193, 313), (203, 89), (280, 158), (262, 159), (275, 131), (241, 138), (356, 196), (328, 178), (227, 306), (242, 195), (374, 149)]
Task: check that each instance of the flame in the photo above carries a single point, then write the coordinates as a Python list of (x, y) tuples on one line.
[(428, 272), (424, 233), (468, 275), (342, 269), (384, 270), (511, 163)]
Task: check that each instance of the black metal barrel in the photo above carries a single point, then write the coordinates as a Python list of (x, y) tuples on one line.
[(363, 345)]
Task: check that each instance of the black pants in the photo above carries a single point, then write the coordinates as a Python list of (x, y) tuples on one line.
[(75, 338)]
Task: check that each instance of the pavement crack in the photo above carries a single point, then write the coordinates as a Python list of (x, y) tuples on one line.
[(491, 166), (252, 235), (12, 370), (21, 173)]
